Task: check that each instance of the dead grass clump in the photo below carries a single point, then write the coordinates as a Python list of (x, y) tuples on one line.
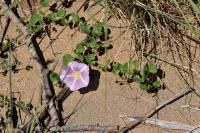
[(166, 31)]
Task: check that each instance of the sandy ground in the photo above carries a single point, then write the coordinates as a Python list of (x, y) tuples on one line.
[(108, 100)]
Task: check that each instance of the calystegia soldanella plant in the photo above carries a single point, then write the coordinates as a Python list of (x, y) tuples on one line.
[(79, 65)]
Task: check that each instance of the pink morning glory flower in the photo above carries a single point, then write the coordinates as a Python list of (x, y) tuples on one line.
[(75, 75)]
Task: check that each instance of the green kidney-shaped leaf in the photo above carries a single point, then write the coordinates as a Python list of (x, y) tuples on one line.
[(115, 68), (84, 27), (97, 29), (92, 43), (54, 77), (144, 86), (79, 48), (150, 68), (125, 68), (44, 3), (134, 65), (138, 78), (51, 17), (90, 58), (67, 58), (74, 18), (79, 57), (156, 84), (105, 64), (36, 18), (61, 13)]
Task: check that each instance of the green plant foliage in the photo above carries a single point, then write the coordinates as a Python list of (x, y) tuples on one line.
[(74, 18), (61, 13), (54, 77), (144, 86), (115, 68), (84, 27), (79, 57), (36, 22), (90, 59), (97, 30), (44, 3), (36, 18), (67, 58), (92, 43), (134, 64), (80, 48), (148, 79), (150, 68), (156, 84), (105, 65), (51, 17)]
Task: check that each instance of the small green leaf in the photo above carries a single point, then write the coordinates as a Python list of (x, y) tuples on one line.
[(35, 18), (93, 44), (143, 76), (84, 27), (54, 77), (128, 75), (74, 18), (144, 86), (156, 84), (104, 65), (138, 78), (79, 57), (115, 68), (44, 3), (79, 48), (51, 17), (121, 68), (97, 29), (61, 13), (152, 68), (67, 59), (124, 68), (134, 65), (90, 58)]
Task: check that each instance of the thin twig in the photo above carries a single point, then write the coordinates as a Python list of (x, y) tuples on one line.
[(63, 94), (82, 128), (5, 28), (135, 123), (166, 124), (194, 107), (48, 92)]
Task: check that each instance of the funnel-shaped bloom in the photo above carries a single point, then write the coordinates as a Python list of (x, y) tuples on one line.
[(75, 75)]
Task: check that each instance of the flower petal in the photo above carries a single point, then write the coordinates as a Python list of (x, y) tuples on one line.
[(65, 72), (77, 66), (69, 81), (77, 84), (85, 76)]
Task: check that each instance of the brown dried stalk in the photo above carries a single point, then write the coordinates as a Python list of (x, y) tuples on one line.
[(166, 124), (82, 128), (137, 122), (48, 91)]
